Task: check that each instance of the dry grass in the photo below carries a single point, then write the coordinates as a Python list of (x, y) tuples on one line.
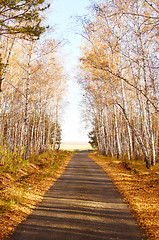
[(140, 188), (21, 190)]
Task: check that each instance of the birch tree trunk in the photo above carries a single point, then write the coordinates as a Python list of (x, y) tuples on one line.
[(130, 145), (55, 128), (26, 117)]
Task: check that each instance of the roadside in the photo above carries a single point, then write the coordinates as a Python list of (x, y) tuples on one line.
[(140, 188), (83, 204), (21, 189)]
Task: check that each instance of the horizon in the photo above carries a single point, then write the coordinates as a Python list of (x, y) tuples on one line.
[(75, 146)]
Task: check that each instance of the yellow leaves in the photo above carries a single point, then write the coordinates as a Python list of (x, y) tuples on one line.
[(143, 200), (19, 198)]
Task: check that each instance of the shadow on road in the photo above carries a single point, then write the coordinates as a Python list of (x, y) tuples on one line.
[(83, 204)]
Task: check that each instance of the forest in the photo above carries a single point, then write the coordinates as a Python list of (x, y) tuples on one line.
[(32, 81), (118, 73)]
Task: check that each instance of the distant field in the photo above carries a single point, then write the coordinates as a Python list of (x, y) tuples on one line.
[(76, 146)]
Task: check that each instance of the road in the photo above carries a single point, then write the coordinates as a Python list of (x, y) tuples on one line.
[(83, 204)]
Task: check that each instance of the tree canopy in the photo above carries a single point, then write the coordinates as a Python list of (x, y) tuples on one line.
[(22, 16)]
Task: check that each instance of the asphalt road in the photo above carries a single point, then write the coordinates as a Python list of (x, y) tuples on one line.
[(83, 204)]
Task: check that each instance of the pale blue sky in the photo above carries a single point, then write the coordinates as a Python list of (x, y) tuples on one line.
[(61, 16)]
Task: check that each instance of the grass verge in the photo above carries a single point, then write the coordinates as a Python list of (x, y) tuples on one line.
[(140, 188), (24, 186)]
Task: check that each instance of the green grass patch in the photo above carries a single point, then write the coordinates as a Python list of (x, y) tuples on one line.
[(5, 205)]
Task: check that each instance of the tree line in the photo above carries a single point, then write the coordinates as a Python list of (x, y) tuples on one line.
[(118, 73), (32, 80)]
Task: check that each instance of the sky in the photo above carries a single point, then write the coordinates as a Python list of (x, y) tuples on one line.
[(61, 18)]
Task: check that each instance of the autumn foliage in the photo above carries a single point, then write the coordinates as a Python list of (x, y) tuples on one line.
[(119, 75)]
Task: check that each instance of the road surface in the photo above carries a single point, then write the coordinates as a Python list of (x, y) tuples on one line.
[(83, 204)]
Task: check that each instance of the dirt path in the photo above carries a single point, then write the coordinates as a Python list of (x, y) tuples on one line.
[(82, 205)]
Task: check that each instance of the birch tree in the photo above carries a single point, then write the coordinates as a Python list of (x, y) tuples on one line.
[(35, 80), (120, 43), (19, 19)]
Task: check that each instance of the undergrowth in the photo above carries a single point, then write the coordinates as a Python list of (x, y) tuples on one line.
[(17, 175), (11, 162), (23, 184)]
